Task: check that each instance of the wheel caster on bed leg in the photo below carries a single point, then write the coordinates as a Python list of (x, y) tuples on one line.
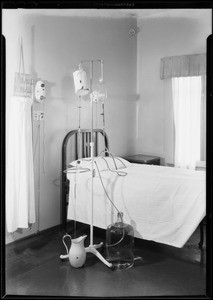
[(200, 245)]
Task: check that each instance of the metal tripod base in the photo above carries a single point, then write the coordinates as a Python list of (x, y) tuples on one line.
[(92, 249)]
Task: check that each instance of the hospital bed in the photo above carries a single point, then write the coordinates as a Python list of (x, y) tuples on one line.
[(163, 204)]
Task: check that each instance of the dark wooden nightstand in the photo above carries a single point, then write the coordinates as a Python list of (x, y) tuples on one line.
[(143, 159)]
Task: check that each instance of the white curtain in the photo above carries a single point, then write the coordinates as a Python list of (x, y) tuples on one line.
[(187, 106), (20, 198)]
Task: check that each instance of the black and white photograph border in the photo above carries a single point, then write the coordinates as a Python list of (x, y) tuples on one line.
[(96, 106)]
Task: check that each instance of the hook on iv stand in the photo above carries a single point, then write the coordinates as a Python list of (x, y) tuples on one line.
[(80, 66)]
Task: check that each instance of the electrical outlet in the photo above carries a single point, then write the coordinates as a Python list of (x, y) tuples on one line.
[(41, 115), (38, 115)]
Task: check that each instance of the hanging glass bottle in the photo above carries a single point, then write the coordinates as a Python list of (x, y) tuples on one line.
[(120, 243)]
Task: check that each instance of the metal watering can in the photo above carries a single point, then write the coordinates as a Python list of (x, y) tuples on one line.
[(77, 252)]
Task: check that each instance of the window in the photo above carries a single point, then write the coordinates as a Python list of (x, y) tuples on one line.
[(188, 74), (189, 120)]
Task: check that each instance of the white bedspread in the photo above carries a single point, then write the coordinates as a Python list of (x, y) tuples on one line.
[(163, 204)]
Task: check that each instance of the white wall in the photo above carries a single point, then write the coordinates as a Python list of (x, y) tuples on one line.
[(53, 48), (176, 32)]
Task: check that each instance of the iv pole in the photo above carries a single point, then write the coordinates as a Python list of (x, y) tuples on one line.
[(93, 248)]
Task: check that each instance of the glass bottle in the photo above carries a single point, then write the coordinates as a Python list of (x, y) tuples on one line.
[(120, 243), (99, 92)]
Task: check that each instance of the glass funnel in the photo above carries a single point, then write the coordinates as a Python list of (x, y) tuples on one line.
[(99, 92)]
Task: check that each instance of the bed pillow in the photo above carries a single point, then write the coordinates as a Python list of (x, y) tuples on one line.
[(104, 163)]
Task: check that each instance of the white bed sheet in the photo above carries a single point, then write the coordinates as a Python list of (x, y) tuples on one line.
[(163, 204)]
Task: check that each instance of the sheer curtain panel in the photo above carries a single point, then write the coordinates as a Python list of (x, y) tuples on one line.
[(20, 198), (187, 120)]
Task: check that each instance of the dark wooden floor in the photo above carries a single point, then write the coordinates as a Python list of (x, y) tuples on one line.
[(33, 267)]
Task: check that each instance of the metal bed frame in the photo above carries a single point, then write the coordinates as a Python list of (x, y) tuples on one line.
[(85, 137)]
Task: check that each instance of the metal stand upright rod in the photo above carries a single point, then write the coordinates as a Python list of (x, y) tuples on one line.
[(92, 155), (93, 248)]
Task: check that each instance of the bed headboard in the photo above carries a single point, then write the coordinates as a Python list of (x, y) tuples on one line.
[(80, 141)]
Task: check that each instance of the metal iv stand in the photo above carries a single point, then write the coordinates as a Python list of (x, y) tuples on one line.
[(93, 248)]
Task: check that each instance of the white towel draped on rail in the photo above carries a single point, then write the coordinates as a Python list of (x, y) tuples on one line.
[(20, 197)]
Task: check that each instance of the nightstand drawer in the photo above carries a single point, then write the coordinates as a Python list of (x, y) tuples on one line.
[(143, 159)]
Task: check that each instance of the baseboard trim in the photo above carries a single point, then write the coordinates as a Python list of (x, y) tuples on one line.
[(54, 229)]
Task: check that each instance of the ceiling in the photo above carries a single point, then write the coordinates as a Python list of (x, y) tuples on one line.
[(118, 13), (140, 13)]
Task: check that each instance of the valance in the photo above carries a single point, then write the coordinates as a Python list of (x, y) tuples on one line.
[(184, 65)]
